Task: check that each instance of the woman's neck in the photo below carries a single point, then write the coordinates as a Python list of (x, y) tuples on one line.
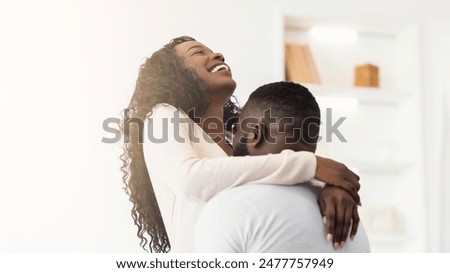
[(212, 124)]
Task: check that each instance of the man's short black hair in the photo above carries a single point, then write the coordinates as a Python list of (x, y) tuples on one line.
[(292, 101)]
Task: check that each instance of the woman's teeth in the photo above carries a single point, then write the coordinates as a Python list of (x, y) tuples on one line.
[(220, 67)]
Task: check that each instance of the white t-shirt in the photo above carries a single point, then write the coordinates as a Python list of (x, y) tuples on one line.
[(185, 174), (260, 218)]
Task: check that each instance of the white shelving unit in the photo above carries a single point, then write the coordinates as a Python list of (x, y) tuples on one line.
[(381, 127), (364, 95), (379, 167)]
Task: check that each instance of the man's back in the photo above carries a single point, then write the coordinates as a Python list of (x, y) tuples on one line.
[(267, 218)]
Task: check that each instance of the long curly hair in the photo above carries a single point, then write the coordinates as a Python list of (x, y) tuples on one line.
[(163, 78)]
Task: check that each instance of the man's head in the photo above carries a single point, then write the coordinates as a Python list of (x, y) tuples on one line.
[(278, 116)]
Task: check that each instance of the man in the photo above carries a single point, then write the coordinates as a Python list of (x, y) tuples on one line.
[(273, 218)]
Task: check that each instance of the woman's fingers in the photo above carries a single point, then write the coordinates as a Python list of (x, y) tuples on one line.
[(322, 207), (340, 215), (355, 222), (337, 174), (338, 227), (350, 189), (330, 223), (347, 224)]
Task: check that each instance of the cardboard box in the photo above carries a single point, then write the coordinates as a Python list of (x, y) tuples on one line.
[(366, 75)]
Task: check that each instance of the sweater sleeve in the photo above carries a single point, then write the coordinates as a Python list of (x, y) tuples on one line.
[(169, 150)]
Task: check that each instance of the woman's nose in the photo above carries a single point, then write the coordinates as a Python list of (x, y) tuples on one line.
[(219, 56)]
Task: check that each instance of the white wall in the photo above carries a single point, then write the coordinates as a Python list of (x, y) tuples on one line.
[(68, 65), (65, 66), (445, 170), (436, 67)]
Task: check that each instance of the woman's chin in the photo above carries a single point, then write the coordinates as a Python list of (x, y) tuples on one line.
[(224, 89)]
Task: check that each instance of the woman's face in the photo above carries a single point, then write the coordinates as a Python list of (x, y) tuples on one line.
[(209, 66)]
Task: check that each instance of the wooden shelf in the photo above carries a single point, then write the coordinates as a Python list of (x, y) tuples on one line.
[(364, 95)]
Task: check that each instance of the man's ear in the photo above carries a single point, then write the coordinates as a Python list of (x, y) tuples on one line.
[(256, 135)]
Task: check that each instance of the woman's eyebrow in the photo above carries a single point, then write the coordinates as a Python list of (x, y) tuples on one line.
[(198, 46), (193, 47)]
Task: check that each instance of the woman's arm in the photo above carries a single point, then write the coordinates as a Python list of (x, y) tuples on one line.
[(187, 173), (337, 174)]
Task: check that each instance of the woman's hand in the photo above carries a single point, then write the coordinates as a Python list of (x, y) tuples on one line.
[(339, 211), (337, 174)]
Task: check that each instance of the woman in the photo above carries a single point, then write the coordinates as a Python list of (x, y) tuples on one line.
[(182, 89)]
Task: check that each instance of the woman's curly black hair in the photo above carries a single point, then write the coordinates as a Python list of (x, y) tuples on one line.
[(163, 78)]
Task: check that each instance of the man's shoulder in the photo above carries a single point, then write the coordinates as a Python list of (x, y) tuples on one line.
[(248, 190), (267, 189), (256, 195)]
